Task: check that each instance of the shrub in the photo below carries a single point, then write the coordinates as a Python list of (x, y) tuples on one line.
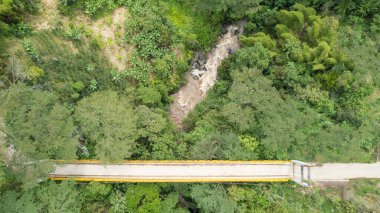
[(74, 33), (34, 73), (149, 96), (21, 29), (261, 37), (31, 50)]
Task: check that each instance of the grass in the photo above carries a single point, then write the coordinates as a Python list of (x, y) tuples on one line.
[(64, 67), (194, 27)]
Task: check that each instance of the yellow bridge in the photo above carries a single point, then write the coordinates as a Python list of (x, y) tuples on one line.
[(210, 171)]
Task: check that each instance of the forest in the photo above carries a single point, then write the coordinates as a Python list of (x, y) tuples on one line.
[(93, 79)]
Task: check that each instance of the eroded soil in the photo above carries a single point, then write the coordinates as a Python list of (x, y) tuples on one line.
[(188, 96)]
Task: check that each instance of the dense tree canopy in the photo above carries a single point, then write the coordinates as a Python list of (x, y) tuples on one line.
[(37, 124), (93, 79), (233, 8), (109, 124)]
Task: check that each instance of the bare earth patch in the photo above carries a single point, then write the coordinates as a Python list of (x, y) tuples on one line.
[(2, 134), (8, 152), (110, 32), (48, 17), (195, 90)]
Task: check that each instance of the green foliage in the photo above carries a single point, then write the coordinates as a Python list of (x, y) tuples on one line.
[(317, 98), (31, 50), (21, 29), (212, 198), (11, 12), (34, 73), (284, 198), (195, 27), (294, 20), (116, 76), (93, 85), (362, 8), (219, 146), (49, 197), (58, 198), (156, 139), (261, 37), (109, 123), (96, 191), (13, 202), (64, 68), (3, 169), (308, 12), (316, 47), (291, 76), (150, 123), (238, 116), (293, 91), (368, 7), (147, 31), (149, 96), (144, 198), (6, 6), (34, 119), (74, 33), (256, 56), (261, 20), (164, 66), (92, 7), (248, 142), (27, 172), (160, 55), (139, 69), (311, 43), (233, 9), (285, 132)]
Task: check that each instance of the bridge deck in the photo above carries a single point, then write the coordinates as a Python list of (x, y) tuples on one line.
[(175, 171), (211, 171)]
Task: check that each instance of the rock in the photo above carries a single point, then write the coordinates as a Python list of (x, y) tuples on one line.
[(198, 61), (201, 62), (229, 50), (197, 74), (224, 30)]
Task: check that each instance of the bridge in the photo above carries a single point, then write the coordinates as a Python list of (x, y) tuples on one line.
[(214, 171)]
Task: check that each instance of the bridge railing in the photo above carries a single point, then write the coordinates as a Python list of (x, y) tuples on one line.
[(303, 178)]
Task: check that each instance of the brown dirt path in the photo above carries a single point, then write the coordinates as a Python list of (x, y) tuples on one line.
[(188, 96)]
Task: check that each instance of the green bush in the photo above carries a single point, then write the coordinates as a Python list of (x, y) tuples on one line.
[(149, 96), (261, 37), (34, 73), (31, 50)]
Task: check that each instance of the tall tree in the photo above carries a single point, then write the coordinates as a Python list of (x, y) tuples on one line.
[(109, 123), (37, 124), (144, 198), (59, 198), (212, 198), (219, 146), (14, 202)]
